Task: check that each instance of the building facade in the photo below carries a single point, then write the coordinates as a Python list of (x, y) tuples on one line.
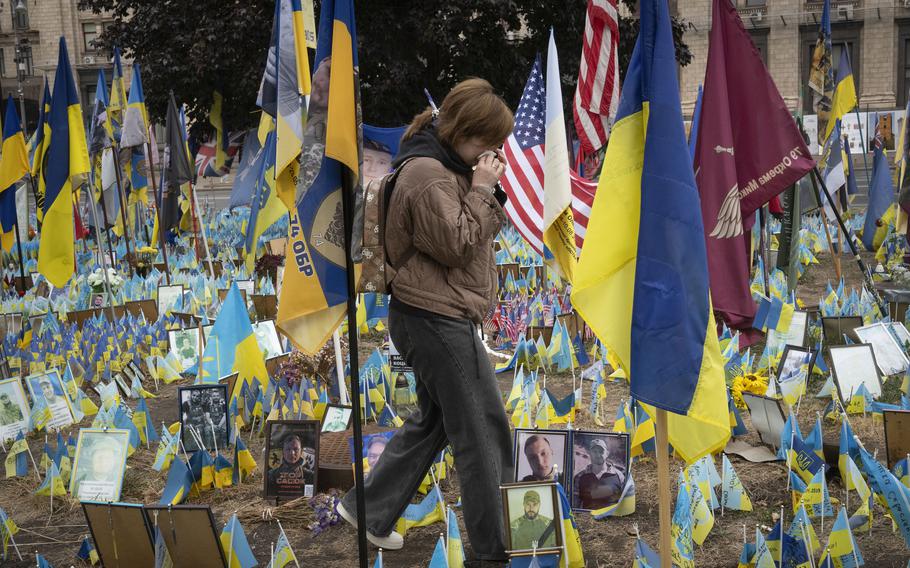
[(30, 32), (875, 33)]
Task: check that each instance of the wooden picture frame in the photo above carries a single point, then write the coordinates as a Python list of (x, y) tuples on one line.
[(196, 405), (285, 440), (121, 533), (514, 499), (198, 543), (897, 435)]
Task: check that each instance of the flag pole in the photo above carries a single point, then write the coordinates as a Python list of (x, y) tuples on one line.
[(107, 224), (159, 202), (663, 486), (347, 200), (120, 192), (824, 219), (19, 249), (867, 275)]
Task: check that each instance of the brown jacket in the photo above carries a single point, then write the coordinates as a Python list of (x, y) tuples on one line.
[(452, 227)]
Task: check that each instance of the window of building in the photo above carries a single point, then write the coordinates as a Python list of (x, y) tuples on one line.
[(842, 37), (89, 95), (903, 66), (755, 3), (2, 62), (89, 35), (760, 39), (19, 9)]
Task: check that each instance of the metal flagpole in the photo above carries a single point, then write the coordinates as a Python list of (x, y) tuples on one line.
[(120, 197), (867, 275), (663, 487), (347, 200)]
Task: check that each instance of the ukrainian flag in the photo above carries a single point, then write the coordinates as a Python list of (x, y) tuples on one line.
[(117, 99), (642, 280), (37, 152), (314, 293), (67, 166), (135, 117), (265, 207), (13, 166), (235, 545), (844, 93), (232, 346)]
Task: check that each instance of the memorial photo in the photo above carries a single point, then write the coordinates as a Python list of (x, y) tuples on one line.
[(600, 482), (292, 447), (267, 338), (337, 418), (13, 409), (99, 464), (49, 388), (373, 446), (170, 299), (185, 343), (540, 455), (204, 417), (531, 516)]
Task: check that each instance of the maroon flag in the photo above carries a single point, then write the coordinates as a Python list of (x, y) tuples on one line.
[(749, 150)]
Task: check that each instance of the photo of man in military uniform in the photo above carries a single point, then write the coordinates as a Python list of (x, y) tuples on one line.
[(291, 460), (531, 526), (13, 409), (601, 482)]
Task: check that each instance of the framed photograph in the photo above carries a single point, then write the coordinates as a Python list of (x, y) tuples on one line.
[(794, 362), (99, 464), (204, 417), (189, 533), (541, 455), (49, 387), (121, 533), (897, 435), (768, 417), (13, 409), (124, 385), (600, 464), (890, 357), (170, 299), (98, 300), (187, 345), (531, 514), (247, 287), (852, 366), (267, 338), (337, 418), (796, 335), (834, 329), (292, 450), (13, 323), (373, 446), (900, 333)]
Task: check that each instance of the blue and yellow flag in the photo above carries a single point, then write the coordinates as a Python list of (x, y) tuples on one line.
[(265, 206), (314, 293), (67, 166), (37, 150), (117, 104), (217, 122), (235, 546), (844, 93), (232, 346), (179, 483), (645, 292), (454, 546), (13, 166), (135, 117), (842, 548)]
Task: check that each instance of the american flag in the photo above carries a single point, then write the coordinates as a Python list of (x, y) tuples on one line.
[(524, 150), (582, 201), (597, 93)]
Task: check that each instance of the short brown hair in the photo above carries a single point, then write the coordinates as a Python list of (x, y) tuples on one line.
[(471, 109)]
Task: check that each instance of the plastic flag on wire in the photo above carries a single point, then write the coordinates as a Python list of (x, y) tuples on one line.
[(454, 545), (575, 557), (733, 494), (683, 552), (16, 459), (87, 551), (179, 483), (625, 505), (842, 548), (235, 546), (428, 511)]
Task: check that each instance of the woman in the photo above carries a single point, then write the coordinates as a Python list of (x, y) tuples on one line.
[(445, 211)]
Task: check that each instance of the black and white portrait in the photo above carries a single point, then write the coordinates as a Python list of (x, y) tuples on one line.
[(204, 417)]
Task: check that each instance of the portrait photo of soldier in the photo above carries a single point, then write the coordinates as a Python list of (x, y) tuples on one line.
[(601, 481), (292, 449), (48, 388), (540, 455), (13, 409), (204, 417), (99, 464), (336, 418), (185, 343), (532, 516)]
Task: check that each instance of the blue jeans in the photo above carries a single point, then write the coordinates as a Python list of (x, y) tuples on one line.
[(458, 403)]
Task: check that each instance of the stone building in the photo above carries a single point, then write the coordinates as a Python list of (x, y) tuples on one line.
[(876, 34), (30, 32)]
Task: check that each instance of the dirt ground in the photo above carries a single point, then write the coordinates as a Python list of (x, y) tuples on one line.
[(606, 543)]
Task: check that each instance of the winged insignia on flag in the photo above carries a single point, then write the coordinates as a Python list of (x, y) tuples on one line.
[(729, 218)]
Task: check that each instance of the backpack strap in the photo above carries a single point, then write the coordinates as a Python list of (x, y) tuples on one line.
[(411, 250)]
